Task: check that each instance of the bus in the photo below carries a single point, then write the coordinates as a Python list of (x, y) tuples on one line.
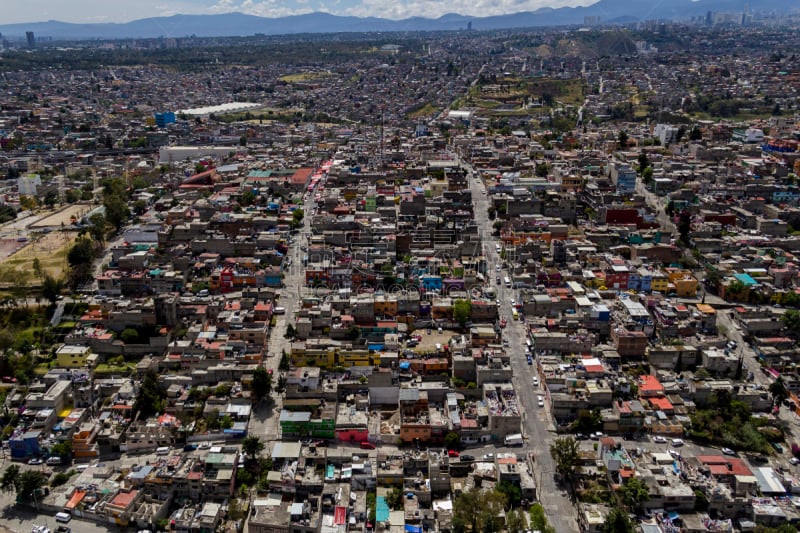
[(507, 282)]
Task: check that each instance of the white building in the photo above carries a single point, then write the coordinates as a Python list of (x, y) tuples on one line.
[(28, 185)]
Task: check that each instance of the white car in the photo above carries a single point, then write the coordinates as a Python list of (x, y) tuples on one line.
[(35, 461), (794, 461), (676, 442), (675, 453), (728, 451), (659, 439), (513, 302), (535, 381), (541, 401)]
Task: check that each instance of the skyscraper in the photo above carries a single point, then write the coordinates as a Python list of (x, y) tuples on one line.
[(31, 39)]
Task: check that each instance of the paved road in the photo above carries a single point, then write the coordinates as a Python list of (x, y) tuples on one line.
[(657, 203), (537, 427), (265, 420)]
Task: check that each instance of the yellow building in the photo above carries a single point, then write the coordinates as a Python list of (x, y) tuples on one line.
[(684, 283), (660, 283), (69, 356)]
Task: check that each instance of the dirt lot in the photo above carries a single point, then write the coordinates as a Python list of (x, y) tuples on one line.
[(62, 217), (51, 249), (9, 246), (429, 342)]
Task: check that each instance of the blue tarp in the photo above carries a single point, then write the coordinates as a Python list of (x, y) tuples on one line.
[(375, 347), (405, 365), (413, 529)]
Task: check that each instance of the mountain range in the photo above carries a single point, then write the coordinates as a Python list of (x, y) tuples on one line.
[(238, 24)]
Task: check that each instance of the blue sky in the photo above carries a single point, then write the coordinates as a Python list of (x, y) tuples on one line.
[(125, 10)]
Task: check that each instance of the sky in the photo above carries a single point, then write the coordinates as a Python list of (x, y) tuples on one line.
[(88, 11)]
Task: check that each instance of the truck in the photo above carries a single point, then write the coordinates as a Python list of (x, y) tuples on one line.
[(515, 439)]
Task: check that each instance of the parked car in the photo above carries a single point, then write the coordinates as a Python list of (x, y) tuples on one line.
[(488, 457), (452, 453), (794, 461), (778, 447), (367, 446), (728, 451), (541, 401), (466, 457), (676, 442), (35, 461), (659, 439)]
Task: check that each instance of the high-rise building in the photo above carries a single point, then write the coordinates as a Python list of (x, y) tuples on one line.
[(31, 39)]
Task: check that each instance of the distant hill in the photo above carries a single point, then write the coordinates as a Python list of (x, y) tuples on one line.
[(238, 24)]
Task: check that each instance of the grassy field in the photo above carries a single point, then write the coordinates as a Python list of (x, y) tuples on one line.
[(301, 77), (424, 111), (51, 250)]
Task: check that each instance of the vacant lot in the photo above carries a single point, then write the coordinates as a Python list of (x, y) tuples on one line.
[(62, 217), (51, 250)]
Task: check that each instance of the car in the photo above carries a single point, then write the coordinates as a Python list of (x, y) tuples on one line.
[(488, 457), (35, 461), (580, 436), (778, 447), (597, 435), (497, 267), (530, 360), (503, 323), (541, 402), (53, 461), (466, 457), (367, 446), (658, 439), (728, 451), (63, 529), (535, 381), (513, 302), (794, 461), (497, 302), (675, 453), (205, 445), (452, 453), (676, 442)]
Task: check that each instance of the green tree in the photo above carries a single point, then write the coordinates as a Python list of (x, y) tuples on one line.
[(622, 139), (778, 391), (150, 398), (634, 493), (226, 422), (618, 521), (117, 211), (29, 481), (297, 217), (466, 511), (394, 498), (515, 522), (685, 226), (695, 134), (252, 446), (539, 519), (452, 441), (564, 451), (791, 319), (647, 174), (644, 162), (291, 333), (98, 227), (10, 478), (62, 450), (462, 310), (129, 336), (512, 492), (81, 253), (262, 383)]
